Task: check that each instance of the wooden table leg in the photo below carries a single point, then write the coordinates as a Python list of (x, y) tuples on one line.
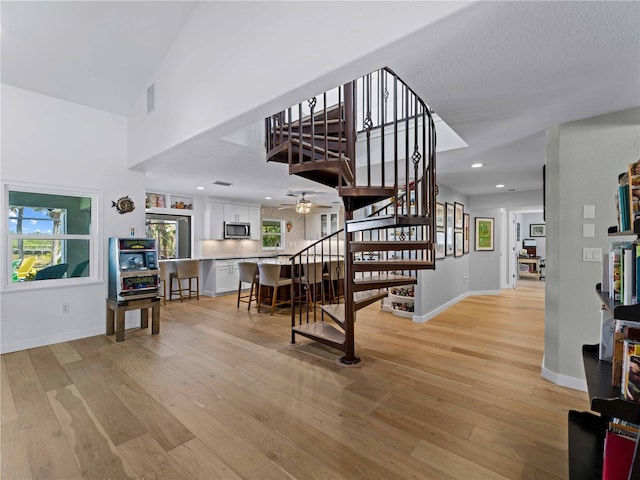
[(155, 318), (144, 317), (110, 321), (120, 325)]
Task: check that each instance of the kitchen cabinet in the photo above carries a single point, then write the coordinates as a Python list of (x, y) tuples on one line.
[(256, 224), (320, 225), (213, 221), (227, 276), (236, 213)]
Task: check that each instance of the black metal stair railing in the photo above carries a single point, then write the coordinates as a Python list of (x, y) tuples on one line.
[(374, 140)]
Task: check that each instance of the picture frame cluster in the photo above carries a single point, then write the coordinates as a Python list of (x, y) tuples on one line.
[(452, 230)]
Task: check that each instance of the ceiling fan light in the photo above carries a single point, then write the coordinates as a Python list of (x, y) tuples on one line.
[(303, 206)]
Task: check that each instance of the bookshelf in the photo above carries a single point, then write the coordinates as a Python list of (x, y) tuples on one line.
[(587, 430)]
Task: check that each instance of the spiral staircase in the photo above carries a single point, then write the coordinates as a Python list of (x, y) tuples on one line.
[(373, 140)]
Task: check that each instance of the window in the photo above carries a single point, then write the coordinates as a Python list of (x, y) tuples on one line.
[(272, 234), (51, 235), (173, 233)]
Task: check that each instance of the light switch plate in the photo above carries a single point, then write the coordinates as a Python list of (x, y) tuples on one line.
[(588, 230), (588, 211), (591, 254)]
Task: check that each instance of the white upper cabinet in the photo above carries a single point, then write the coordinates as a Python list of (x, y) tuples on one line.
[(213, 227), (236, 213)]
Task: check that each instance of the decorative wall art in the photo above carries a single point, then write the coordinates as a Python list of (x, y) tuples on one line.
[(440, 244), (449, 228), (459, 243), (484, 234), (466, 232), (458, 222), (440, 216), (537, 230)]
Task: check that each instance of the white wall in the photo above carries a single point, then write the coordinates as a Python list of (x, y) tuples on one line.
[(55, 143), (449, 282), (211, 75), (584, 159)]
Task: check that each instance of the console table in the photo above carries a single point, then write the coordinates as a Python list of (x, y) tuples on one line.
[(115, 314), (532, 267)]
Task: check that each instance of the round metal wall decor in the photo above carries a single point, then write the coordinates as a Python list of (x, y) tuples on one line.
[(123, 205)]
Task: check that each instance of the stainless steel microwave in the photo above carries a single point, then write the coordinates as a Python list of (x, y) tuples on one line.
[(237, 230)]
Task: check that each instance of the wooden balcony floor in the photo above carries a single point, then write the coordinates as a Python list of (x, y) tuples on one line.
[(219, 393)]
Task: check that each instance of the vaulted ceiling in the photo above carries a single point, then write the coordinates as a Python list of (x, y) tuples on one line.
[(499, 73)]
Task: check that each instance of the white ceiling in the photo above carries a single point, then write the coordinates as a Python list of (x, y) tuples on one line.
[(499, 73)]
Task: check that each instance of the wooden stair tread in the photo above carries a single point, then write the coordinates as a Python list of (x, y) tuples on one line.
[(316, 148), (320, 330), (360, 300), (383, 280), (387, 221), (330, 138), (365, 298), (336, 312), (392, 264), (327, 172), (331, 112), (390, 245)]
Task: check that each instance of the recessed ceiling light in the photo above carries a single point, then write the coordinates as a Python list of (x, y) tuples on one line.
[(200, 188), (477, 165), (500, 185), (267, 198)]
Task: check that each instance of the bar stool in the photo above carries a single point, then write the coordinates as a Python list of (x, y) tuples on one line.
[(247, 272), (269, 276), (163, 279), (314, 276), (185, 270), (335, 278)]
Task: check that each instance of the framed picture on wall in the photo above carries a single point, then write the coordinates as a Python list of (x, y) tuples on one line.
[(440, 216), (466, 233), (440, 244), (459, 243), (458, 216), (449, 229), (537, 230), (484, 234)]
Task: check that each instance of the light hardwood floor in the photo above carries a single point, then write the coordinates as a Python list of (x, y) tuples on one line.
[(220, 394)]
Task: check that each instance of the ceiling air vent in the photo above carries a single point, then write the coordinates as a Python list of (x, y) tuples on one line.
[(222, 184), (151, 98)]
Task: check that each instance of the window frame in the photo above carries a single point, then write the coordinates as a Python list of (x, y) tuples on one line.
[(95, 241), (282, 234)]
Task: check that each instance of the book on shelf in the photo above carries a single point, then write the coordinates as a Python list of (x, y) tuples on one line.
[(633, 176), (622, 272), (623, 201), (607, 329), (628, 284), (617, 456), (623, 330), (630, 381), (615, 265)]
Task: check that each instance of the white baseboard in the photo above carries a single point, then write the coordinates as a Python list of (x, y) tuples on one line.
[(563, 380), (429, 315), (52, 339)]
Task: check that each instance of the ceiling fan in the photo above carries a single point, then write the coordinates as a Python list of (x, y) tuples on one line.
[(304, 205)]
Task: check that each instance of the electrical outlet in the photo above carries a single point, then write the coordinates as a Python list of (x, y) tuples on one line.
[(65, 308)]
